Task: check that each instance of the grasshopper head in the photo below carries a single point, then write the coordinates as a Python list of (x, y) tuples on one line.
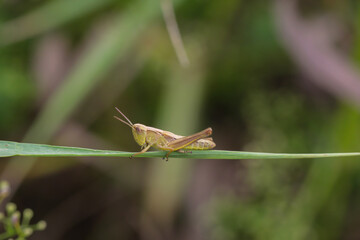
[(139, 132)]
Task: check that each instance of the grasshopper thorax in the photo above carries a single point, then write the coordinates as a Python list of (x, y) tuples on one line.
[(139, 132)]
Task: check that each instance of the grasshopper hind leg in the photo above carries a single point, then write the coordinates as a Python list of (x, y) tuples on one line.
[(170, 150), (166, 157)]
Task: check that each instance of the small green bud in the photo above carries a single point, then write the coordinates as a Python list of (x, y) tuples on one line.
[(10, 208), (28, 213), (28, 231), (40, 225), (4, 189)]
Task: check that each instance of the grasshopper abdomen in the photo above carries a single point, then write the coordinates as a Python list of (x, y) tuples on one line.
[(201, 144)]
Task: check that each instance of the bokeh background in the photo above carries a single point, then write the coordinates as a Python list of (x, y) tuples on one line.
[(272, 76)]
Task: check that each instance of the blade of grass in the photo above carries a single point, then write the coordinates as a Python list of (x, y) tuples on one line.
[(9, 149), (55, 12)]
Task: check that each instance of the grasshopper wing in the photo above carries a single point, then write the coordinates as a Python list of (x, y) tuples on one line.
[(185, 141)]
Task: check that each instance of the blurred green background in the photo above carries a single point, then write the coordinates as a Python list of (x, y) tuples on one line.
[(272, 76)]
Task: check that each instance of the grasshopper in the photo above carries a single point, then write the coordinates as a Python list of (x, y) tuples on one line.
[(148, 137)]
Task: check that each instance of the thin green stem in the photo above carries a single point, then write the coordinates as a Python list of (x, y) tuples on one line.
[(8, 149)]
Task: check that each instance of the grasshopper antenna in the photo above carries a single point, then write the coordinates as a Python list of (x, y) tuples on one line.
[(130, 125)]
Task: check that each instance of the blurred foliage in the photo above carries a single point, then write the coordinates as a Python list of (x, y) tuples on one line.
[(16, 93), (241, 81)]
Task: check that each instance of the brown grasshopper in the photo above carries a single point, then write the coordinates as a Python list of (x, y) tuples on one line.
[(148, 137)]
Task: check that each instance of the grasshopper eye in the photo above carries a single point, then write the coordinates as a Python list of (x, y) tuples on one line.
[(139, 128)]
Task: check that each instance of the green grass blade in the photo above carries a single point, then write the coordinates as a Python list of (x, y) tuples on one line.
[(55, 12), (9, 149)]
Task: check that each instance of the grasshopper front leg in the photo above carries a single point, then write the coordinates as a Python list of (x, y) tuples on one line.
[(142, 151), (148, 147)]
